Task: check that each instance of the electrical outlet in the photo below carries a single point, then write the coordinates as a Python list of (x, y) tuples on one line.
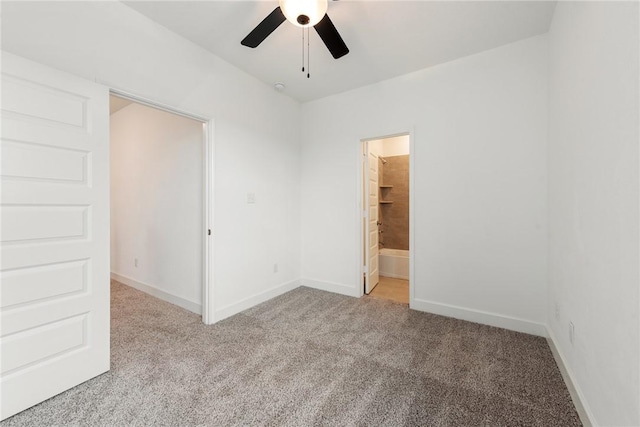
[(572, 332), (557, 311), (135, 262), (275, 267)]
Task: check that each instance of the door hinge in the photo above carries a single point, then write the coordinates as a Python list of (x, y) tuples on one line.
[(364, 214), (209, 232), (365, 270)]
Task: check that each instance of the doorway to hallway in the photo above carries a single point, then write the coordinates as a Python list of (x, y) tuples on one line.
[(160, 225)]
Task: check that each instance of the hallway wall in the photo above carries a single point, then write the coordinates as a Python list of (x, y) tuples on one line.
[(157, 203)]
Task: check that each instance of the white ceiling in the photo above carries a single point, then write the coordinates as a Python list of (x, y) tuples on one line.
[(386, 38)]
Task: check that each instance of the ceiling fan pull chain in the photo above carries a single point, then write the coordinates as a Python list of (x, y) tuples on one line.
[(303, 50), (308, 55)]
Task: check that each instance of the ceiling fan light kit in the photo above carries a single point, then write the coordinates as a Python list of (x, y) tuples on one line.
[(303, 14)]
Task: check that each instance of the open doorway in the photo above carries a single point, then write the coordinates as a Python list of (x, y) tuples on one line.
[(386, 224), (159, 189)]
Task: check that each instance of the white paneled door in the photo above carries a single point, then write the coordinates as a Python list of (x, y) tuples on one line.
[(373, 273), (54, 235)]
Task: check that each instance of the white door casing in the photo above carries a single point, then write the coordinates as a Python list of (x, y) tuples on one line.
[(208, 313), (372, 276), (54, 235)]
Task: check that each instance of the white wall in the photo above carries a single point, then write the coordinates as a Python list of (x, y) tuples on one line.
[(157, 203), (256, 137), (480, 130), (593, 203)]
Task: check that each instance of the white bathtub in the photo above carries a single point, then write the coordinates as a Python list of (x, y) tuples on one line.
[(394, 263)]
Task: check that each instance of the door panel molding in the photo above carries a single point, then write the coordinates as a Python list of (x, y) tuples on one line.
[(54, 236)]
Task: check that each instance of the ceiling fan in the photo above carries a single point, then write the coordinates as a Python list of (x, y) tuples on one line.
[(304, 14)]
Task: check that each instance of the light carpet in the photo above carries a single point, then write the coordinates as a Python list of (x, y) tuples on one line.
[(309, 358)]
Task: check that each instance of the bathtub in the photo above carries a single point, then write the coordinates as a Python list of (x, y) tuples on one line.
[(394, 263)]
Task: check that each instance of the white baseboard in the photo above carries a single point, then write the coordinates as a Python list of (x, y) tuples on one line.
[(394, 276), (478, 316), (235, 308), (586, 416), (158, 293), (336, 288)]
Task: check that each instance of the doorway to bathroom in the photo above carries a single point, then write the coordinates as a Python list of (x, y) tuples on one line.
[(386, 221)]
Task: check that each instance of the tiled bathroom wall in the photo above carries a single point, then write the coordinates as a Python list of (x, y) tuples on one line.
[(395, 216)]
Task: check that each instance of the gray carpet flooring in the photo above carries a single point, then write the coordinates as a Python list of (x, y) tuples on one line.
[(311, 358)]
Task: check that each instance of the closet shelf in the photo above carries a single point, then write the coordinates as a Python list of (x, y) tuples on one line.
[(386, 186), (385, 202)]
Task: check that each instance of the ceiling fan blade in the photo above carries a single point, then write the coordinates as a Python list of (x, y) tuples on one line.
[(266, 27), (331, 38)]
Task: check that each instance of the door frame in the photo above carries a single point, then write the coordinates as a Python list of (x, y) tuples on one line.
[(360, 195), (208, 199)]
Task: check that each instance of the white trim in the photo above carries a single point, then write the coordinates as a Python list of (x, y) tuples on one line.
[(412, 216), (478, 316), (396, 276), (363, 222), (579, 401), (208, 198), (208, 313), (158, 293), (252, 301), (336, 288), (154, 104)]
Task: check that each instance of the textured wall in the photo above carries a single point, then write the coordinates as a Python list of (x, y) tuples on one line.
[(395, 216)]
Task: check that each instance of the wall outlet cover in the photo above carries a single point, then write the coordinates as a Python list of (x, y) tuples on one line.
[(572, 332)]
